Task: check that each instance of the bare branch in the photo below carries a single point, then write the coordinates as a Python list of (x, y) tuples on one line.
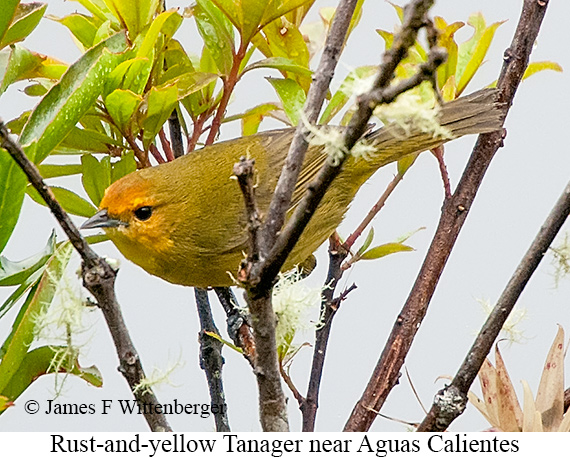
[(371, 215), (211, 360), (328, 310), (453, 216), (176, 134), (273, 409), (244, 172), (99, 279), (381, 92), (439, 416)]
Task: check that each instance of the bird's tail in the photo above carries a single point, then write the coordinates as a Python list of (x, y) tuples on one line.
[(479, 112)]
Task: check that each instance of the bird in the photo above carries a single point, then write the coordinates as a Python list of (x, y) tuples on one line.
[(185, 221)]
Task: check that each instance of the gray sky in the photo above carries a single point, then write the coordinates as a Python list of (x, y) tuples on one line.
[(522, 184)]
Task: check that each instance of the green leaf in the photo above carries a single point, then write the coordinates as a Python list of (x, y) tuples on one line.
[(35, 90), (217, 33), (16, 125), (446, 40), (23, 309), (84, 28), (55, 171), (130, 75), (70, 201), (25, 20), (189, 83), (95, 239), (7, 13), (104, 32), (121, 105), (384, 250), (406, 162), (472, 52), (87, 140), (253, 117), (125, 165), (70, 98), (27, 284), (249, 16), (18, 63), (448, 89), (283, 39), (96, 176), (39, 362), (348, 88), (535, 67), (225, 342), (166, 23), (292, 97), (98, 9), (388, 37), (5, 403), (366, 244), (14, 273), (407, 236), (134, 15), (399, 11), (12, 185), (198, 102), (281, 64), (20, 339), (176, 60), (156, 109)]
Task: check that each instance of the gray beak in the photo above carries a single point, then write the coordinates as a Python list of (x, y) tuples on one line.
[(101, 220)]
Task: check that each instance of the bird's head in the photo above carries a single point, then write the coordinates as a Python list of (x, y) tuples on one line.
[(134, 214)]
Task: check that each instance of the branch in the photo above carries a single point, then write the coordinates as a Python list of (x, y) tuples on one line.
[(381, 92), (441, 414), (263, 273), (166, 147), (293, 163), (371, 215), (244, 172), (229, 84), (453, 216), (329, 307), (238, 326), (175, 134), (211, 360), (273, 408), (99, 279)]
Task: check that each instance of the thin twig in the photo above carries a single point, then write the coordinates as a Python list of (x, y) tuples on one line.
[(229, 84), (438, 154), (287, 379), (197, 131), (309, 406), (99, 279), (371, 215), (211, 360), (156, 153), (453, 216), (244, 171), (169, 154), (176, 134)]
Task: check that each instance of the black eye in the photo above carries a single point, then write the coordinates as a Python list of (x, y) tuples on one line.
[(143, 213)]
